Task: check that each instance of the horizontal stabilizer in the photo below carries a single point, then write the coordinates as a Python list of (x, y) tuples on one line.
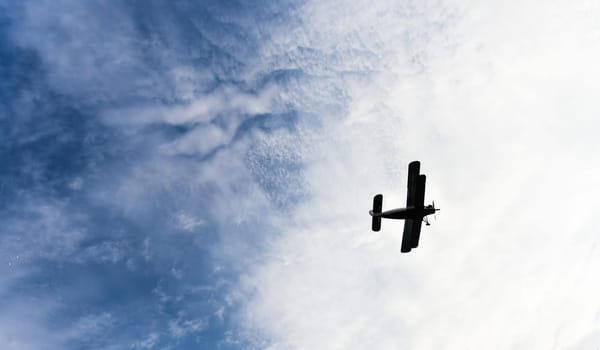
[(377, 205)]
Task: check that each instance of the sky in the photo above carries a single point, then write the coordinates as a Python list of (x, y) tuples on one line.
[(198, 174)]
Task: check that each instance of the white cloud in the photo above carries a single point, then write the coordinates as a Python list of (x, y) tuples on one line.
[(90, 325), (182, 327), (22, 326), (187, 222), (148, 342), (199, 141), (42, 230), (230, 102), (498, 103)]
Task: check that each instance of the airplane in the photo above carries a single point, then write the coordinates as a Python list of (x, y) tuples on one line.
[(414, 214)]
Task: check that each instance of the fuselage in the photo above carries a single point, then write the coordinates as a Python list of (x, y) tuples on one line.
[(407, 213)]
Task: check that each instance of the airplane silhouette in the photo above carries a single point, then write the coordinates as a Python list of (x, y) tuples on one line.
[(414, 213)]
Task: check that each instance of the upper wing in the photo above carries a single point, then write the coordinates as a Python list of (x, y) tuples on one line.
[(412, 228), (413, 180), (416, 226), (414, 198), (420, 195)]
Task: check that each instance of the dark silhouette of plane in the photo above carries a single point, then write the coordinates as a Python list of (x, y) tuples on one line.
[(414, 213)]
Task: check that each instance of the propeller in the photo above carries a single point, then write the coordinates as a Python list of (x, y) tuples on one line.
[(432, 206)]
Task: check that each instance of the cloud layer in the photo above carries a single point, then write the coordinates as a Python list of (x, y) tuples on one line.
[(184, 175), (131, 199)]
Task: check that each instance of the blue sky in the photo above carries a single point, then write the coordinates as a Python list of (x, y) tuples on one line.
[(197, 174), (119, 230)]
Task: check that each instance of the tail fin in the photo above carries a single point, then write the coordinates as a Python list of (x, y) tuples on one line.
[(377, 205)]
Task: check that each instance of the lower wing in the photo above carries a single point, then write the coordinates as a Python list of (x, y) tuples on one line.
[(410, 237), (416, 233), (407, 236)]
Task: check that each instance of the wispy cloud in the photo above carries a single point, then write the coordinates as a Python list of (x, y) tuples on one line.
[(149, 113), (148, 342)]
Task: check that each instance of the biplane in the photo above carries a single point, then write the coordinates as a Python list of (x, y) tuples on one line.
[(413, 215)]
